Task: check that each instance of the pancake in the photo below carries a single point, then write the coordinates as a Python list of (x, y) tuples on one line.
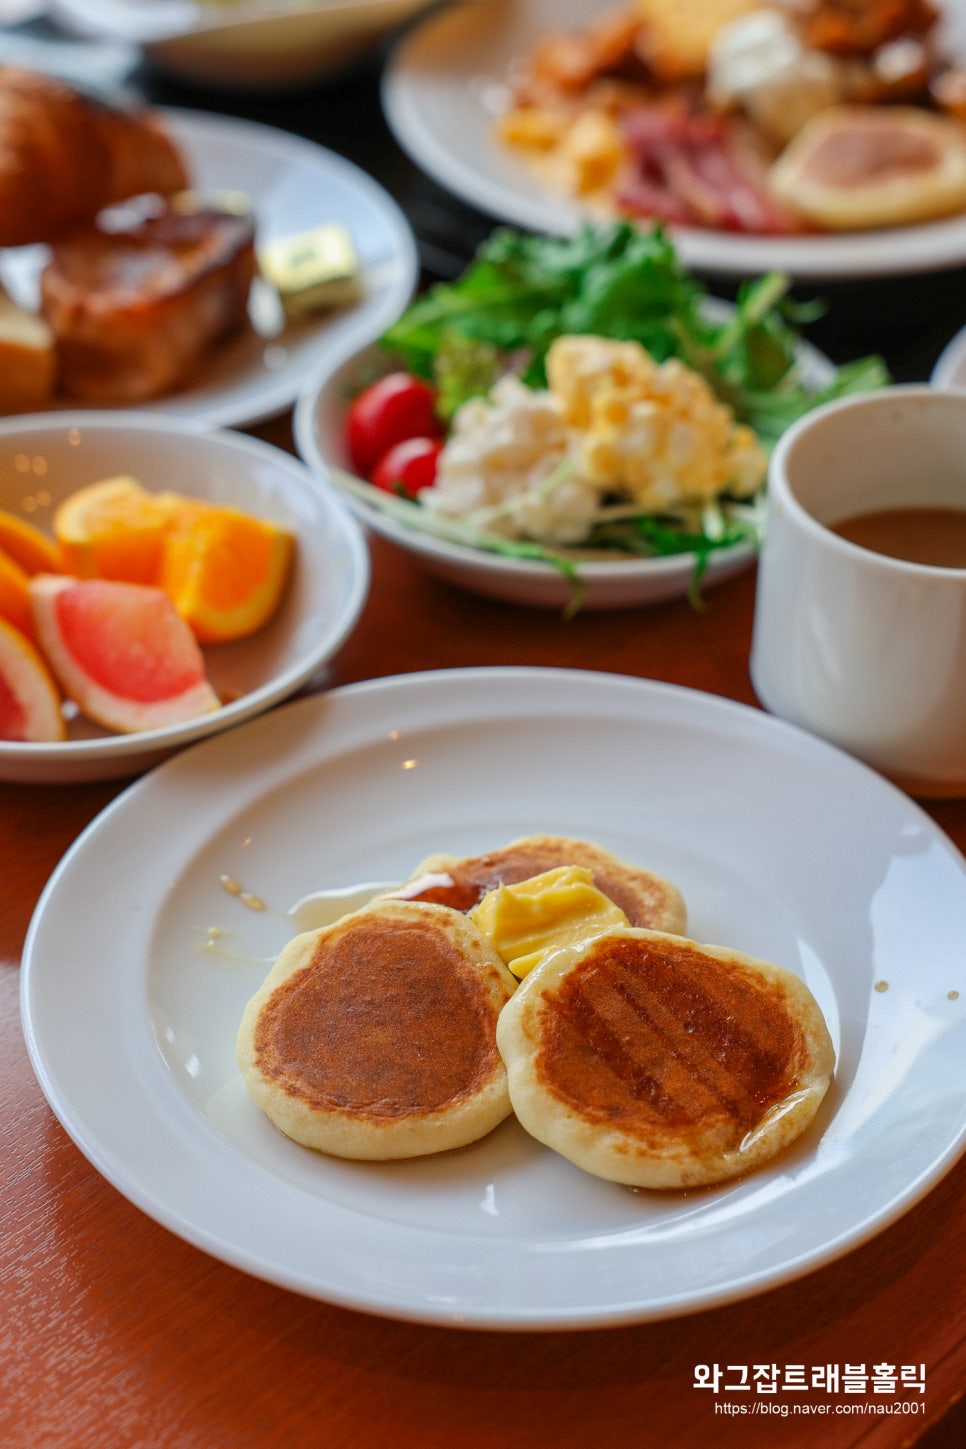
[(656, 1062), (375, 1037), (462, 881)]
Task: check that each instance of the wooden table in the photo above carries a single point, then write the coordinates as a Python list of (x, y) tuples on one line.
[(115, 1332)]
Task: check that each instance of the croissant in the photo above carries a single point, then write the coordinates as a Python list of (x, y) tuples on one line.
[(65, 155)]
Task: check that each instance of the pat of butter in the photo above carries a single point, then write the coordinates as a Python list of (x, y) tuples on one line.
[(558, 908), (312, 270)]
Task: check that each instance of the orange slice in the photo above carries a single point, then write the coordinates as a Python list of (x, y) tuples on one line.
[(121, 652), (29, 699), (28, 546), (226, 571), (113, 529), (15, 595)]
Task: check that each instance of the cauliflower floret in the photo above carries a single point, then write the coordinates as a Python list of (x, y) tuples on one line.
[(507, 465), (654, 432)]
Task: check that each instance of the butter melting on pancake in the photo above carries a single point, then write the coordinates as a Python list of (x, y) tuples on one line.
[(653, 1061), (375, 1037), (462, 881)]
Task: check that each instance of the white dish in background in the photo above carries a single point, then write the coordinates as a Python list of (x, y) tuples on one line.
[(43, 459), (949, 373), (613, 583), (294, 185), (446, 84), (249, 44), (131, 1023)]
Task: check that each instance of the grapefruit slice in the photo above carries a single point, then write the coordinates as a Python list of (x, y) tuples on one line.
[(29, 699), (121, 651)]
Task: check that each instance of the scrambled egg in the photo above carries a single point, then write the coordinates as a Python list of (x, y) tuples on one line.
[(538, 464), (507, 465), (560, 907), (653, 432)]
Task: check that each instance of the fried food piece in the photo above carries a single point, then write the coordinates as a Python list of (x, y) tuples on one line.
[(652, 1061), (676, 35), (375, 1038), (134, 310), (64, 156), (858, 27)]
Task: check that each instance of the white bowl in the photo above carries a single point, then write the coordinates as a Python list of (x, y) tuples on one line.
[(249, 44), (43, 459), (613, 583)]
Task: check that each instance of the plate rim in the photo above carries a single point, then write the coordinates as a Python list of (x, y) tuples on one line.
[(735, 715), (896, 251)]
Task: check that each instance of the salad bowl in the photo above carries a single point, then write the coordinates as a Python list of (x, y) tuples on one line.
[(613, 299), (581, 578)]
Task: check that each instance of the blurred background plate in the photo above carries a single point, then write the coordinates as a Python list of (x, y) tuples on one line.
[(448, 82), (243, 44), (43, 459)]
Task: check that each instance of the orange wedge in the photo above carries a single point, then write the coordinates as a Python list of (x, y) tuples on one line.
[(15, 595), (28, 546), (113, 529), (29, 698), (225, 571)]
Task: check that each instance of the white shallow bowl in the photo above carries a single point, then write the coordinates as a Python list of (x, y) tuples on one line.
[(249, 44), (618, 583), (42, 460)]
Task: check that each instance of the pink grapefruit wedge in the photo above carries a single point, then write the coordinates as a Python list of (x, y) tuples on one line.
[(121, 652), (29, 698)]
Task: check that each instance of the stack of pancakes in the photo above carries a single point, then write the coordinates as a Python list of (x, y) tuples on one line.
[(638, 1054)]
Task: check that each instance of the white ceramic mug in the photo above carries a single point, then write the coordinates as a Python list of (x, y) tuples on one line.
[(866, 650)]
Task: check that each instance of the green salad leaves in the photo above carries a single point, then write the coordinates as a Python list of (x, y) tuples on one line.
[(624, 283)]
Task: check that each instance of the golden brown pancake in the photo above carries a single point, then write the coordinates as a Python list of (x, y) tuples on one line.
[(375, 1037), (462, 881), (653, 1061)]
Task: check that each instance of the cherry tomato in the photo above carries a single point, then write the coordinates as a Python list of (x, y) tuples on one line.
[(397, 407), (408, 466)]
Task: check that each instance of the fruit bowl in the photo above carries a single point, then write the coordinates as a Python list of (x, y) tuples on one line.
[(43, 460)]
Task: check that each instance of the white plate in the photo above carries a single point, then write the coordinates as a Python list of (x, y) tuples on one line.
[(782, 846), (254, 44), (615, 583), (447, 83), (294, 185), (45, 458)]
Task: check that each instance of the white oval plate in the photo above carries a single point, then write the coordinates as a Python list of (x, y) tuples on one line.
[(615, 583), (45, 458), (446, 85), (131, 1022), (294, 185)]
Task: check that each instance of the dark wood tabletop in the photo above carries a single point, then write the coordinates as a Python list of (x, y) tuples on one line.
[(114, 1331)]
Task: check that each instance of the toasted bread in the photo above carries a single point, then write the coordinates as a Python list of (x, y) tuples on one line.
[(136, 308), (676, 35), (653, 1061), (375, 1037), (462, 881)]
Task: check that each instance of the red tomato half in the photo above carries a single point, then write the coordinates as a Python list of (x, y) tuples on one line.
[(397, 407), (408, 467)]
